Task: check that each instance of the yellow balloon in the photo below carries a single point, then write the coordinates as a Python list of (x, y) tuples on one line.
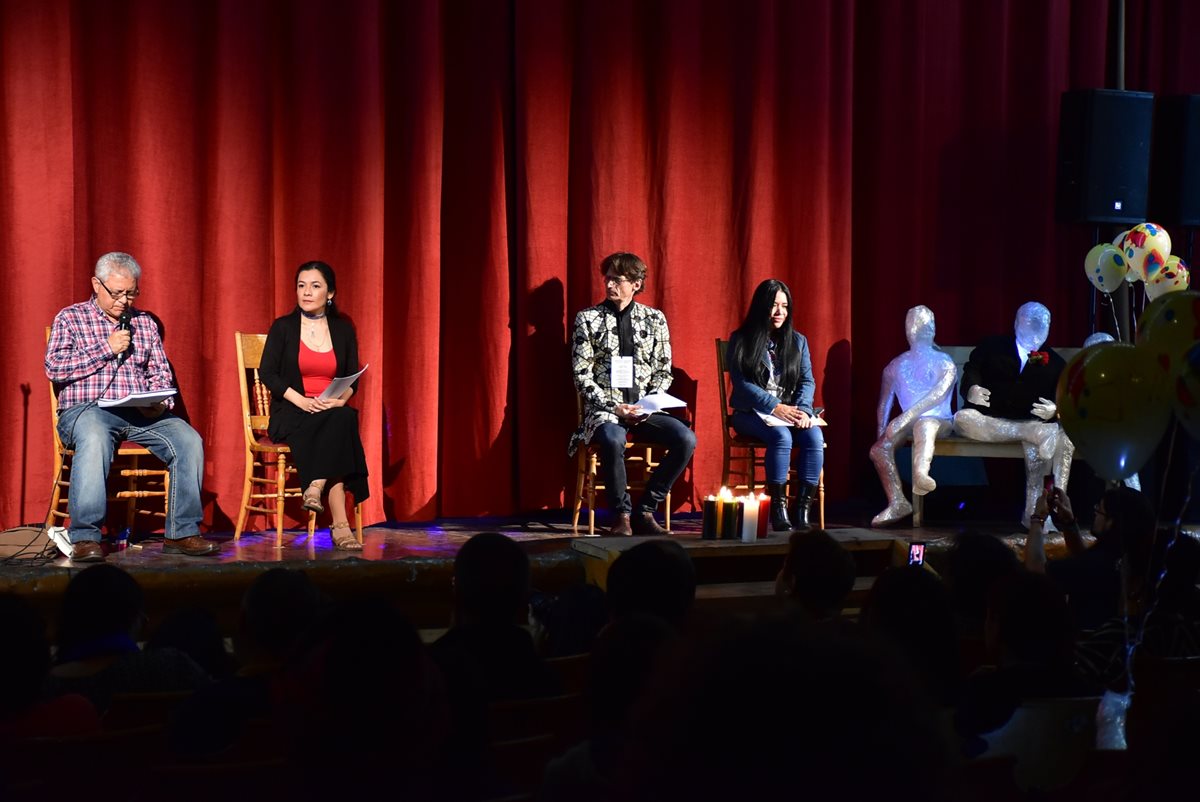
[(1186, 398), (1174, 277), (1167, 329), (1112, 406)]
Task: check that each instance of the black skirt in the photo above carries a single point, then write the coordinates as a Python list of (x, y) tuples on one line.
[(326, 445)]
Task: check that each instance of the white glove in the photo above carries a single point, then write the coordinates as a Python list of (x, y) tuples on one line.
[(979, 396), (1044, 409)]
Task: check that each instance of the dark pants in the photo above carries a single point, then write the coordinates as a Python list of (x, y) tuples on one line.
[(660, 429)]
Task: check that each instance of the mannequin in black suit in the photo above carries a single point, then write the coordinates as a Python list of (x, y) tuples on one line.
[(1007, 388)]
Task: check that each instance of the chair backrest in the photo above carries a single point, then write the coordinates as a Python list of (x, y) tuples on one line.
[(723, 383), (58, 446), (256, 398), (961, 354)]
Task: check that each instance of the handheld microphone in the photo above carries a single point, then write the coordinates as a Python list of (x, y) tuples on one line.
[(124, 324)]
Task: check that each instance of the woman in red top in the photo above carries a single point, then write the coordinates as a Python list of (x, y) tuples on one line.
[(305, 350)]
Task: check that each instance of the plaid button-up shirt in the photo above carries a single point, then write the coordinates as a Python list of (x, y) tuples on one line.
[(81, 365)]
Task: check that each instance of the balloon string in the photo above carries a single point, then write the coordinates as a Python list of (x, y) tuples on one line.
[(1116, 322)]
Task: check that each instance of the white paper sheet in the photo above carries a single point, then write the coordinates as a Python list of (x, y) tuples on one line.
[(341, 384)]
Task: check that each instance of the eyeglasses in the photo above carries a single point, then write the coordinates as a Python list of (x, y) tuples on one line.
[(616, 280), (128, 295)]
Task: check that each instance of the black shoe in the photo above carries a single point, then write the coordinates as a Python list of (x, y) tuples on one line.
[(804, 497), (87, 551), (620, 527), (192, 546), (643, 523), (779, 515)]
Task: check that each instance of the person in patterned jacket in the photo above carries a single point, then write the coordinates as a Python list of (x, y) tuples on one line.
[(104, 348), (620, 353)]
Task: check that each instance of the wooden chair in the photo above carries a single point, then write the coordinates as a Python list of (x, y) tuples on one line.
[(639, 464), (139, 482), (744, 458), (268, 468), (958, 446)]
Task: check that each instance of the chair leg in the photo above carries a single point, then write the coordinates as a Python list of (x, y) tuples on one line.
[(246, 486), (56, 489), (591, 502), (918, 505), (579, 482), (280, 481), (821, 499), (358, 522)]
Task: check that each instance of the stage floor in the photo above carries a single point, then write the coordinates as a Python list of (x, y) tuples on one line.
[(411, 566)]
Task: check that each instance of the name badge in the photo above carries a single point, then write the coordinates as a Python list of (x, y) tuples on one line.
[(622, 372)]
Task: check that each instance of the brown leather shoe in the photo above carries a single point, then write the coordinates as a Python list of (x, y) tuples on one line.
[(194, 546), (620, 527), (644, 524), (87, 551)]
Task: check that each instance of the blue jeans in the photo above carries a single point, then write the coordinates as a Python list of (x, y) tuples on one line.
[(781, 440), (660, 429), (95, 433)]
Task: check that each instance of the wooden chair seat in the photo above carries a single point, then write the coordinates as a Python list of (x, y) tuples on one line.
[(743, 457)]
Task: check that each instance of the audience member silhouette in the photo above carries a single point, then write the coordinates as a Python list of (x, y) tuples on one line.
[(1166, 618), (487, 655), (623, 658), (570, 620), (1092, 577), (27, 709), (818, 574), (277, 613), (1031, 638), (974, 564), (654, 578), (98, 654), (910, 607)]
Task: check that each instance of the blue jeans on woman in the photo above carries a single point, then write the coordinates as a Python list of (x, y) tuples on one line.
[(95, 432), (781, 441)]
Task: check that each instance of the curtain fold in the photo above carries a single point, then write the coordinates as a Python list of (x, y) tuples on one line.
[(465, 166)]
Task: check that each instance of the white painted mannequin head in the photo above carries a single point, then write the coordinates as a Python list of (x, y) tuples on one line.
[(919, 326), (1032, 325)]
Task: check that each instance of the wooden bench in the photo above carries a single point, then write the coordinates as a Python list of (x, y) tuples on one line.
[(958, 446)]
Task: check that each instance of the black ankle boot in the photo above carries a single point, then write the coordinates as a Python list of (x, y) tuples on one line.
[(804, 497), (779, 515)]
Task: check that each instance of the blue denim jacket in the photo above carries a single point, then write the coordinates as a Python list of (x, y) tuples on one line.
[(749, 396)]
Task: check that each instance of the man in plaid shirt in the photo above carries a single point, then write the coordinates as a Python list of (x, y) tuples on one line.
[(90, 356)]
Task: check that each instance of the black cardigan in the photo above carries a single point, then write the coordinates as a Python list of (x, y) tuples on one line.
[(280, 367)]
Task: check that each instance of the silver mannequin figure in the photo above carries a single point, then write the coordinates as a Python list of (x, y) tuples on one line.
[(922, 381), (1046, 449)]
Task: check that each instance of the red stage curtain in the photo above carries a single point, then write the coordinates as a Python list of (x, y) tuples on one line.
[(465, 165)]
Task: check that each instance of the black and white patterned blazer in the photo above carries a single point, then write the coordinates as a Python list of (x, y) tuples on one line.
[(593, 345)]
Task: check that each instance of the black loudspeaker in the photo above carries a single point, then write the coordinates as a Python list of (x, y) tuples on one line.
[(1175, 174), (1104, 156)]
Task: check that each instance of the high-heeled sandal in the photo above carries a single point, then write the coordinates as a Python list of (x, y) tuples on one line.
[(347, 542), (312, 499)]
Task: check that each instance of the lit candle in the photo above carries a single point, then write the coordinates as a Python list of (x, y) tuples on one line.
[(724, 500), (764, 514), (708, 529), (731, 513), (749, 518)]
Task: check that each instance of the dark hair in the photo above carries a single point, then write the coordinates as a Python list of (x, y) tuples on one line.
[(491, 579), (754, 332), (99, 602), (330, 281), (821, 572), (277, 610), (1033, 622), (655, 578), (976, 562), (626, 265)]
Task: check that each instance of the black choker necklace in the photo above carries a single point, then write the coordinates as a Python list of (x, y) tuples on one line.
[(311, 316)]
